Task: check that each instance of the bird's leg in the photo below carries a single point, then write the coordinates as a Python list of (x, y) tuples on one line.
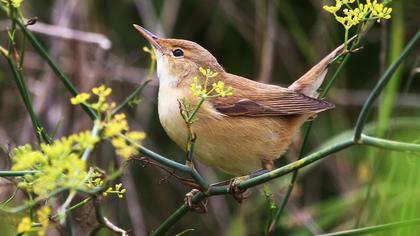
[(234, 190), (200, 207), (267, 164), (238, 195)]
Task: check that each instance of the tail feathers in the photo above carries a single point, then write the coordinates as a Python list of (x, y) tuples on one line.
[(310, 82)]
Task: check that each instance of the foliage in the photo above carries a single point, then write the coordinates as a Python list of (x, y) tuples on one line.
[(359, 14)]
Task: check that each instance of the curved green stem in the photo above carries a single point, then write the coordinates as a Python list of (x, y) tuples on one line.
[(389, 144), (361, 120)]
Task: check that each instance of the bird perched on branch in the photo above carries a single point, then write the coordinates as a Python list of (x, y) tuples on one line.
[(241, 133)]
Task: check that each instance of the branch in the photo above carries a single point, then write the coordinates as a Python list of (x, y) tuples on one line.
[(361, 120), (178, 214), (12, 173), (104, 221)]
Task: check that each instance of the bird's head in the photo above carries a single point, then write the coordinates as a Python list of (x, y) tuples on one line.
[(179, 59)]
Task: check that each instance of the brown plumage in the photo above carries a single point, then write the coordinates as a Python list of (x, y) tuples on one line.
[(241, 133)]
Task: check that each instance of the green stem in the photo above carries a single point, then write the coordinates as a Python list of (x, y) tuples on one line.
[(75, 206), (178, 214), (295, 165), (376, 228), (323, 153), (169, 163), (159, 158), (95, 130), (138, 90), (389, 144), (12, 173), (361, 120), (346, 37), (24, 94), (191, 117), (130, 98), (66, 81), (32, 203)]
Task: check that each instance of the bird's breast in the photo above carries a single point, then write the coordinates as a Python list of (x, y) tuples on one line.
[(170, 116)]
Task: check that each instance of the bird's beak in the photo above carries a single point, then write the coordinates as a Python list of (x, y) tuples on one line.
[(149, 36)]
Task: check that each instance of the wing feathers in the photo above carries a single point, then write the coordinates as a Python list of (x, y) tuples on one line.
[(291, 104)]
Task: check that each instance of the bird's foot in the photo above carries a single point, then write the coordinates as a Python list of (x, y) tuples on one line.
[(234, 190), (200, 207)]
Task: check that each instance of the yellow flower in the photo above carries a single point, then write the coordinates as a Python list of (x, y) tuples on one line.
[(363, 12), (135, 135), (85, 140), (207, 73), (15, 3), (102, 91), (25, 158), (202, 70), (80, 98), (127, 151), (381, 12), (95, 180), (196, 88), (118, 143), (333, 9), (119, 190), (42, 215), (116, 125), (25, 225)]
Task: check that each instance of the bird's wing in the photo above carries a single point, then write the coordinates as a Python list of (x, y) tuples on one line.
[(251, 98)]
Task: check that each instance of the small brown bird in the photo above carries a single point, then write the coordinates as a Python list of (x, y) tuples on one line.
[(241, 133)]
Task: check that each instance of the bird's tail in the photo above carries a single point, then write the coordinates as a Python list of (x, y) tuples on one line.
[(310, 82)]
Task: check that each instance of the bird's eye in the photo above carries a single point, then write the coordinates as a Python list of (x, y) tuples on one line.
[(178, 53)]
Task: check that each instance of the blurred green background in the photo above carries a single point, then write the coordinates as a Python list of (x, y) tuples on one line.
[(266, 40)]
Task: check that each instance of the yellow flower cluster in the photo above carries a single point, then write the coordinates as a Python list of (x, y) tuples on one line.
[(101, 105), (80, 98), (15, 3), (118, 190), (95, 180), (124, 149), (116, 125), (207, 72), (62, 163), (197, 89), (112, 126), (218, 88), (25, 225), (59, 164), (363, 12), (43, 218)]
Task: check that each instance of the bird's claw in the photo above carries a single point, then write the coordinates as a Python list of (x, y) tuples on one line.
[(200, 207), (234, 190)]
